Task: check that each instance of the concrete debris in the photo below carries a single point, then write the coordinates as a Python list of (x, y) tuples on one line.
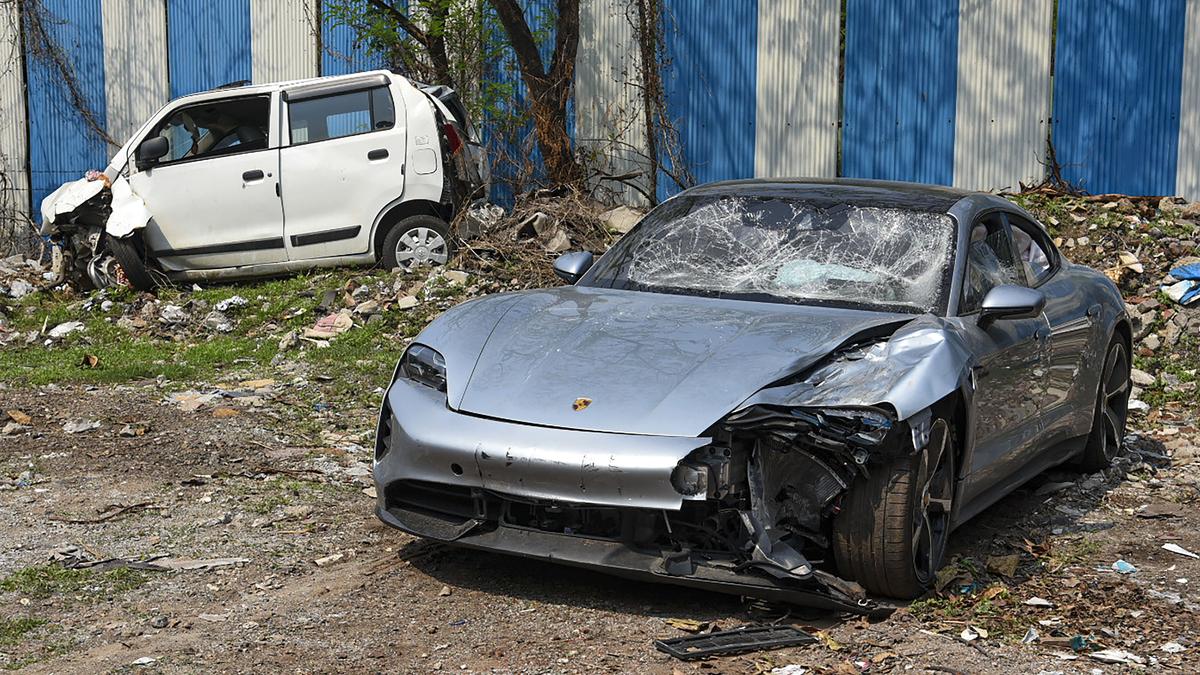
[(64, 329), (330, 326), (19, 289), (621, 219), (80, 426), (233, 302)]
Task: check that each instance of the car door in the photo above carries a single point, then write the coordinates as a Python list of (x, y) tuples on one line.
[(1072, 322), (1009, 375), (213, 196), (343, 163)]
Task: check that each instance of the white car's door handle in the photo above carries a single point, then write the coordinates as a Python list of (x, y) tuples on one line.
[(256, 174), (380, 153)]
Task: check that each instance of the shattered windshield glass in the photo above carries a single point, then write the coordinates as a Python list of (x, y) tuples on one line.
[(777, 249)]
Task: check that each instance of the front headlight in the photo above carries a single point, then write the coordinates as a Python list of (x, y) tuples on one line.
[(425, 365)]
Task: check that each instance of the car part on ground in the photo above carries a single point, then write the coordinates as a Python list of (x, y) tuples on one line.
[(735, 641)]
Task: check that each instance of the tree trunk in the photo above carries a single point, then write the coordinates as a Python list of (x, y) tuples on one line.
[(549, 90)]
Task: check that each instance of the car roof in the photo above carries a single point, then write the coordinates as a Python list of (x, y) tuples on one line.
[(827, 192), (269, 87)]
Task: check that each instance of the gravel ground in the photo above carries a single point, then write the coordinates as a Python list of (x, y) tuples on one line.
[(222, 481)]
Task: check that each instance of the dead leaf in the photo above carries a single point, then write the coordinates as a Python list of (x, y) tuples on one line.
[(90, 361), (224, 413), (832, 644), (19, 417), (689, 625)]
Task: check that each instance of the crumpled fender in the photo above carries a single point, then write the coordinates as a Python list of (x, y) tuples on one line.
[(67, 198), (920, 364), (129, 212)]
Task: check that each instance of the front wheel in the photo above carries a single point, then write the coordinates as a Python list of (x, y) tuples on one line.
[(132, 265), (891, 533), (1111, 411), (417, 241)]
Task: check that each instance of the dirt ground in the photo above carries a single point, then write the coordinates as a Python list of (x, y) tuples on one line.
[(227, 480)]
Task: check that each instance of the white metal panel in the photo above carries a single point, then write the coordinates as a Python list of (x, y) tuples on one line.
[(1003, 105), (796, 112), (1187, 172), (14, 146), (609, 117), (283, 41), (135, 63)]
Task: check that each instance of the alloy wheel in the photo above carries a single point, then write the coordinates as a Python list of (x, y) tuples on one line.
[(933, 502), (1114, 399), (421, 246)]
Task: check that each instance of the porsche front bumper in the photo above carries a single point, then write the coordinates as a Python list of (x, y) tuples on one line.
[(508, 487)]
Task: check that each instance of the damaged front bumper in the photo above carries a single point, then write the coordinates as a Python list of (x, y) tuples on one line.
[(616, 503)]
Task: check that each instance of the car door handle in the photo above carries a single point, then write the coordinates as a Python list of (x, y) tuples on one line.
[(380, 153), (256, 174)]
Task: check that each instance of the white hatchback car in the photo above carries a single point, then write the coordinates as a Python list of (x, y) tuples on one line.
[(252, 180)]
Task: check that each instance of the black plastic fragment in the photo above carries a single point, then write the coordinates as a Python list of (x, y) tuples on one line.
[(736, 641)]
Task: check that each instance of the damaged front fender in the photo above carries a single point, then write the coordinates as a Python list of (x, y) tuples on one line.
[(120, 215), (920, 364)]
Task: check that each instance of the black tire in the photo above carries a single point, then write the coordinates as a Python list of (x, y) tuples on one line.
[(413, 233), (878, 536), (133, 266), (1111, 411)]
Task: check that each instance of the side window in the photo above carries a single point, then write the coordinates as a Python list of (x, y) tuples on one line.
[(990, 262), (216, 128), (1034, 250), (348, 114)]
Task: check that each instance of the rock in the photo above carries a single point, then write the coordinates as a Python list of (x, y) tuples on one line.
[(621, 219), (558, 243), (406, 302), (1170, 204), (20, 288), (1141, 378), (217, 321), (158, 622), (288, 341), (231, 303), (456, 276), (367, 308), (1190, 211), (329, 559), (172, 314), (80, 426), (64, 329), (1152, 342)]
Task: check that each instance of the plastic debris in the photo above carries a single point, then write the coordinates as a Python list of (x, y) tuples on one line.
[(330, 326), (790, 669), (736, 641), (1035, 601), (1031, 636), (1172, 647), (972, 633), (1187, 290), (1117, 656), (1176, 548), (64, 329), (1122, 567), (231, 303)]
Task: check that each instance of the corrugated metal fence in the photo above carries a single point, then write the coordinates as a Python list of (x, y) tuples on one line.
[(962, 92)]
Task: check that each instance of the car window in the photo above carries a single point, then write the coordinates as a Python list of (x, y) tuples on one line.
[(1034, 249), (216, 128), (348, 114), (990, 262)]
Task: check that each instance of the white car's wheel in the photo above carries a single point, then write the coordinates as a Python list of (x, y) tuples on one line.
[(417, 241)]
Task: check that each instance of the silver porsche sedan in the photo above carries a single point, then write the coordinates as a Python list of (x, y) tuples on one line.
[(785, 389)]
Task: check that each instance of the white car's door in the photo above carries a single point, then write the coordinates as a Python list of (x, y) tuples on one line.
[(341, 165), (214, 195)]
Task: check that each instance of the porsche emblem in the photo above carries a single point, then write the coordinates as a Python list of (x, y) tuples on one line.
[(580, 404)]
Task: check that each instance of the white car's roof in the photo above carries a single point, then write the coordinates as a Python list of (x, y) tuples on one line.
[(271, 87)]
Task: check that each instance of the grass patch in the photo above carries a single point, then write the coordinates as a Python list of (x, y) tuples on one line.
[(43, 581), (12, 630)]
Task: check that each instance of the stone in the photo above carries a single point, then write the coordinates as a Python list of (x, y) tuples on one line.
[(406, 302), (621, 219), (20, 288), (1152, 342), (1141, 378), (456, 276), (558, 243)]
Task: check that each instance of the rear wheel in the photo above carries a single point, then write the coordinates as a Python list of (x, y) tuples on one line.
[(891, 533), (133, 266), (417, 241), (1112, 409)]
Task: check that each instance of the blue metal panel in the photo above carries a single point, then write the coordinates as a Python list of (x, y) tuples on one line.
[(208, 44), (711, 86), (1117, 82), (63, 144), (342, 52), (900, 90)]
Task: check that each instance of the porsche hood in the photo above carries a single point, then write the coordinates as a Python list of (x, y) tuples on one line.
[(641, 363)]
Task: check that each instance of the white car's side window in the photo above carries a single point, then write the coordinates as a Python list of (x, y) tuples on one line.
[(345, 114), (216, 128)]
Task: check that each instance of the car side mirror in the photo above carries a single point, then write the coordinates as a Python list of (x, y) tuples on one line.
[(1010, 302), (151, 150), (571, 266)]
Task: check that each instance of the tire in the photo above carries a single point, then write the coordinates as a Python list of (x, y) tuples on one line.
[(128, 254), (1111, 411), (416, 241), (881, 539)]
